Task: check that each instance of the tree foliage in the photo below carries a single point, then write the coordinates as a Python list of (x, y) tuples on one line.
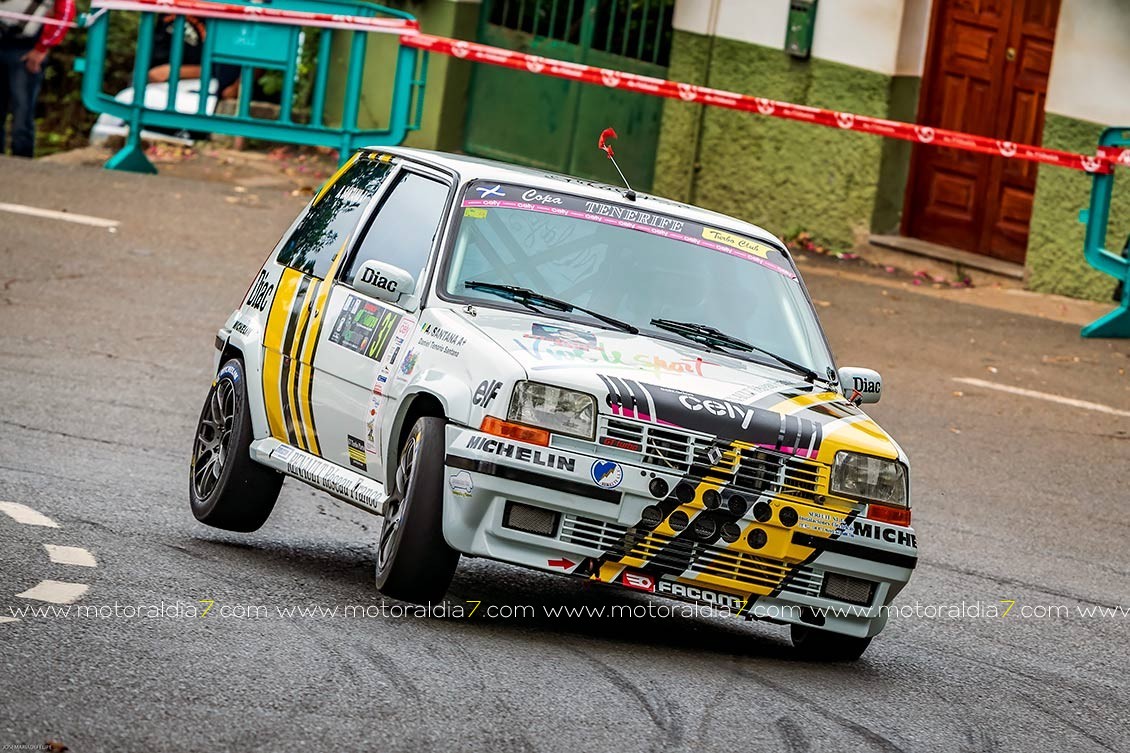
[(63, 121)]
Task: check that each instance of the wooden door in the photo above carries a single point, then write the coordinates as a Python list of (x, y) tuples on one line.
[(986, 73)]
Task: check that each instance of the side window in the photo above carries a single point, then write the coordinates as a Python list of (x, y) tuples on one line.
[(333, 219), (404, 227)]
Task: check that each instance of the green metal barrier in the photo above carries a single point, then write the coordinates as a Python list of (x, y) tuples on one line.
[(1097, 217), (255, 45)]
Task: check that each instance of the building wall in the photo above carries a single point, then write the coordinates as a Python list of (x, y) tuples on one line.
[(791, 176), (1088, 89), (445, 98)]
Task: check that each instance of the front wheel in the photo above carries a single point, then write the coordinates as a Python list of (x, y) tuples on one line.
[(414, 562), (822, 645), (226, 488)]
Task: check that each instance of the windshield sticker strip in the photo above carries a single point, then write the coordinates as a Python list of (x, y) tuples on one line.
[(558, 209)]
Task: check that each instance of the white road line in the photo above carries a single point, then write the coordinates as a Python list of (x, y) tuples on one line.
[(55, 592), (51, 214), (70, 555), (1098, 407), (26, 515), (8, 619)]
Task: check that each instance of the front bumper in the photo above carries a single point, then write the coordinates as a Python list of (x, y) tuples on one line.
[(598, 521)]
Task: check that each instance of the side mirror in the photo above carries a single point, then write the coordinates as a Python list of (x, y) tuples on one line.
[(383, 281), (861, 385)]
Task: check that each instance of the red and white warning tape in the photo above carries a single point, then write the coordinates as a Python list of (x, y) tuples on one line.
[(263, 13), (38, 19), (480, 53), (409, 31)]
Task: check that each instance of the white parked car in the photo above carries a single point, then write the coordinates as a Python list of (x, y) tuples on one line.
[(156, 97), (564, 375)]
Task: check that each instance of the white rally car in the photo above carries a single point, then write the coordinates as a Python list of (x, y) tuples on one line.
[(564, 375)]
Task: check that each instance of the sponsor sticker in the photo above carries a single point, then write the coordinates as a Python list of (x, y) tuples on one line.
[(789, 433), (702, 595), (261, 292), (564, 337), (375, 278), (486, 192), (676, 228), (357, 457), (638, 581), (486, 392), (364, 327), (866, 530), (521, 454), (461, 484), (441, 340), (823, 522), (606, 473), (331, 477), (409, 363), (735, 241), (621, 444)]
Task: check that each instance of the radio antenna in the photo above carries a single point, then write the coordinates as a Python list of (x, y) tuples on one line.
[(610, 133)]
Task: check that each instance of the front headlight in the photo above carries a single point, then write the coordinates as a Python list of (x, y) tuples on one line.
[(869, 479), (554, 408)]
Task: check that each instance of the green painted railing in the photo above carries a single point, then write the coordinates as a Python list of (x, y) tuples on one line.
[(235, 39), (1097, 217)]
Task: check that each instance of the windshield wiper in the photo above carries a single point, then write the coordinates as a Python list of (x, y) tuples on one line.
[(531, 297), (706, 335)]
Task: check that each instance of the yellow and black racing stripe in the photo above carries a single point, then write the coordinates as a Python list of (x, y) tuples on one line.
[(302, 384), (294, 325), (666, 551), (295, 320), (297, 328), (275, 347)]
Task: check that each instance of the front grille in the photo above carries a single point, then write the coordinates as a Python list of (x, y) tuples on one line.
[(676, 556), (752, 469)]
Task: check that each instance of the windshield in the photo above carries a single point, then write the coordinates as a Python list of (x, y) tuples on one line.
[(632, 265)]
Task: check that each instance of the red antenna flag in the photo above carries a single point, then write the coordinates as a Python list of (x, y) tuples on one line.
[(607, 133), (604, 146)]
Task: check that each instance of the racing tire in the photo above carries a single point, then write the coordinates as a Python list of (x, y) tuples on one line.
[(812, 644), (414, 562), (226, 488)]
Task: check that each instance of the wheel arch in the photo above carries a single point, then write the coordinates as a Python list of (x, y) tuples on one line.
[(230, 351), (413, 407), (250, 354)]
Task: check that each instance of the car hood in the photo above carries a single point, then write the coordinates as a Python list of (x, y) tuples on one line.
[(674, 386)]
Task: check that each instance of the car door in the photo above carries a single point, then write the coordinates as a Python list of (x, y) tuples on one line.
[(362, 337), (309, 258)]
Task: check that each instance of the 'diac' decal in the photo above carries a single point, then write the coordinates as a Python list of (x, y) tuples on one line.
[(791, 434)]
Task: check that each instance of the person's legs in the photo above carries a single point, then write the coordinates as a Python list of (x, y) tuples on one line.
[(23, 91), (4, 100)]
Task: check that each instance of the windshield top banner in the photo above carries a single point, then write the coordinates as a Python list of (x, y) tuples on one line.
[(506, 196)]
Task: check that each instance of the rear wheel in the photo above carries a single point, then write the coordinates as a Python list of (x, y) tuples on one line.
[(414, 562), (226, 488), (822, 645)]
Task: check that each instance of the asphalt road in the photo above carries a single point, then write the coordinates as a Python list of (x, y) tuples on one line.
[(105, 356)]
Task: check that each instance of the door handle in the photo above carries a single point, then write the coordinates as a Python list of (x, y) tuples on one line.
[(1010, 54)]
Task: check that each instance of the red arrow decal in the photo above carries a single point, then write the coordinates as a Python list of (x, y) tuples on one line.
[(562, 563)]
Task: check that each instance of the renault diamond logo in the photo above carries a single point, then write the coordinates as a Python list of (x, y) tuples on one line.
[(714, 455)]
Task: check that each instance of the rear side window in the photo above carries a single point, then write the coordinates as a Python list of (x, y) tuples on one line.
[(333, 219), (404, 227)]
